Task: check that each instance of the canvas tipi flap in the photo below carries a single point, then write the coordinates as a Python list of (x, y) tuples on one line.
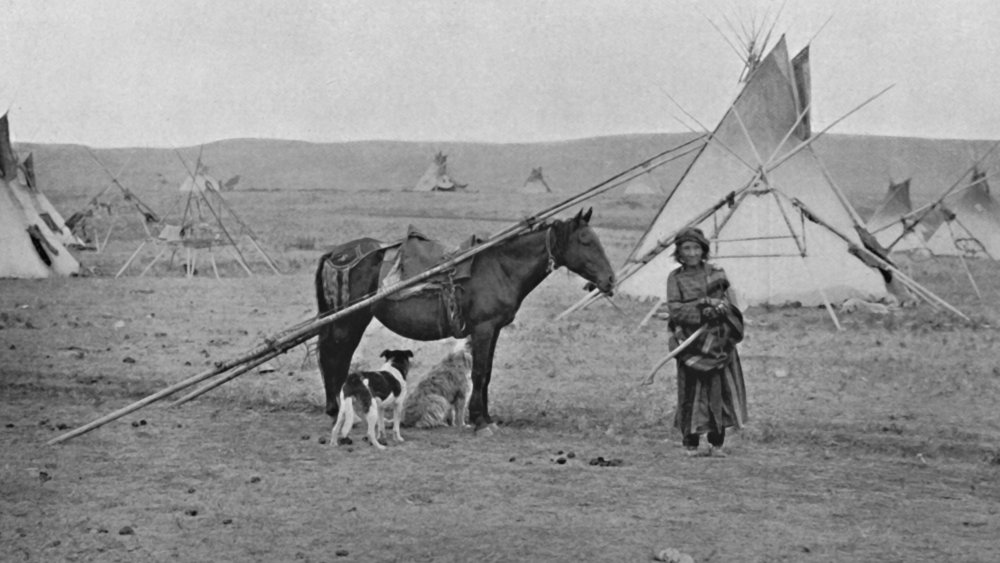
[(972, 226), (771, 253), (888, 221)]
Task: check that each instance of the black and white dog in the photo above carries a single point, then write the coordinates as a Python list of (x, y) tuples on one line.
[(370, 391)]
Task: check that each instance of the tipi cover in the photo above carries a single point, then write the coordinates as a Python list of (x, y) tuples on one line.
[(972, 228), (436, 177), (536, 184), (760, 241), (886, 225), (640, 186), (28, 247)]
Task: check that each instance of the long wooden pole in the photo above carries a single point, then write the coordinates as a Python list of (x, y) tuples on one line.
[(648, 380)]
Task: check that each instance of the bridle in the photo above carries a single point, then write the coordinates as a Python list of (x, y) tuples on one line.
[(552, 265)]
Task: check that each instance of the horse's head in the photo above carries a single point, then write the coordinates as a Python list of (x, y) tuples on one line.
[(580, 250)]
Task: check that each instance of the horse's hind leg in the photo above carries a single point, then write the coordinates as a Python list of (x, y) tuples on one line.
[(337, 343)]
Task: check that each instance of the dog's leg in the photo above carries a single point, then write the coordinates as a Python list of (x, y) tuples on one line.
[(373, 417), (397, 415), (339, 426), (459, 411)]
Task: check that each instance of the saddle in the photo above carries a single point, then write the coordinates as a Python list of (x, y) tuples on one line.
[(417, 254), (402, 260)]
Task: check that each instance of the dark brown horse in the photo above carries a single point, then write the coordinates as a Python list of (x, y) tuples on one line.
[(481, 304)]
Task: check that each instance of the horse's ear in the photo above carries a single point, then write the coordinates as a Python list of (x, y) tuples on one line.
[(579, 215), (384, 354), (586, 216), (409, 353)]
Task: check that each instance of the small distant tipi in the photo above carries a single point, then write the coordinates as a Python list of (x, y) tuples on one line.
[(536, 184), (436, 178)]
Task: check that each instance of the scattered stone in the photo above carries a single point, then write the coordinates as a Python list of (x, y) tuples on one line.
[(306, 437), (190, 490), (227, 521), (512, 459), (44, 476), (255, 479), (342, 553), (323, 440), (126, 531), (191, 512), (128, 360), (62, 426)]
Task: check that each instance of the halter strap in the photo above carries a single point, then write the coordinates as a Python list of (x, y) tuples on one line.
[(552, 266)]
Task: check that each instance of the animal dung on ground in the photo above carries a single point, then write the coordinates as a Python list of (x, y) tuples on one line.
[(599, 461)]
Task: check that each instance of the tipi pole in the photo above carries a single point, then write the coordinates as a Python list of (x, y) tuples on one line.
[(652, 311), (239, 259), (153, 261), (927, 294), (215, 268), (972, 280), (130, 259), (236, 373), (249, 232), (812, 138)]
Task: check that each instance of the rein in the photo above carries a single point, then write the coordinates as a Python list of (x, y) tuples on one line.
[(552, 265)]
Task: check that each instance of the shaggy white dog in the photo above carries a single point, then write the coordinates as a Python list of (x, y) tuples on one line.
[(440, 397)]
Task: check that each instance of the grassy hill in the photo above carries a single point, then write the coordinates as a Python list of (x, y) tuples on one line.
[(861, 165)]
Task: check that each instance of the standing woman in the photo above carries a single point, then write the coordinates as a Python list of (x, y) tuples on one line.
[(711, 395)]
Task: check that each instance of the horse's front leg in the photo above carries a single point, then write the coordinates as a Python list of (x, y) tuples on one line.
[(484, 342)]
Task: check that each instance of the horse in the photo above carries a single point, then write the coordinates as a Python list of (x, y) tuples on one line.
[(477, 307)]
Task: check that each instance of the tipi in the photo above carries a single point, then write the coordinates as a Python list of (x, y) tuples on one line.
[(536, 184), (972, 224), (29, 246), (771, 250), (436, 178), (207, 223), (887, 222), (110, 207)]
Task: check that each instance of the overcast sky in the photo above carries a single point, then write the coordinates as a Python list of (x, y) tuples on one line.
[(114, 73)]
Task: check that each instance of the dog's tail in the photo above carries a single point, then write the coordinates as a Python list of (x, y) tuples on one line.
[(427, 411)]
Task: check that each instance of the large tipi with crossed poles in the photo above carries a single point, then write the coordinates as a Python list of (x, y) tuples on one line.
[(784, 233)]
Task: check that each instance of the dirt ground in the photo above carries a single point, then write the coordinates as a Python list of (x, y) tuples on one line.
[(880, 442)]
